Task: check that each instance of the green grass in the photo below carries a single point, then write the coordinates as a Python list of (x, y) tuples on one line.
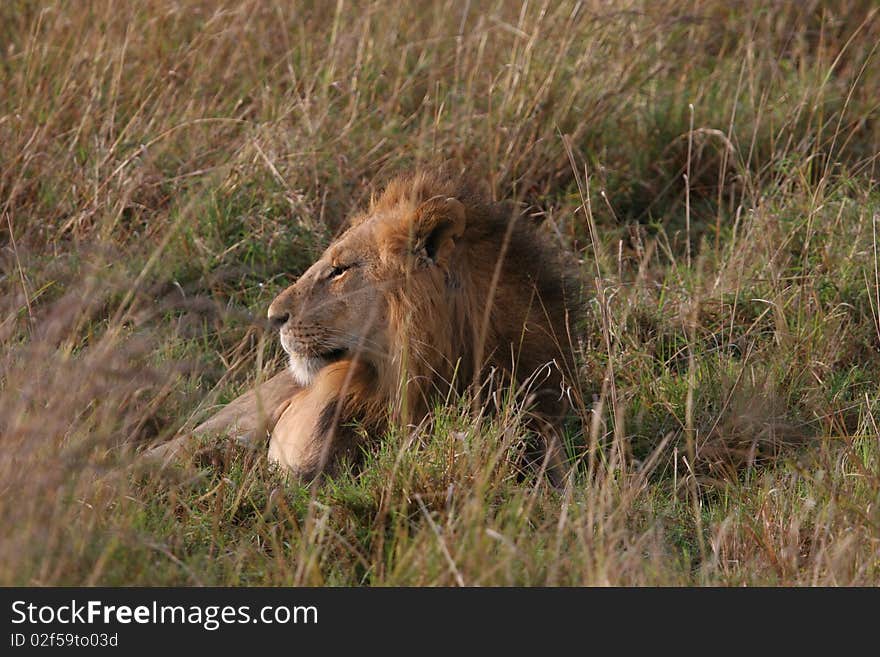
[(166, 170)]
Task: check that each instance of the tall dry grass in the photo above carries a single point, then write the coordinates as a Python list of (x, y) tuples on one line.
[(167, 167)]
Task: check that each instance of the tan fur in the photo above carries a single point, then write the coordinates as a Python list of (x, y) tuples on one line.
[(409, 300), (299, 441), (248, 418)]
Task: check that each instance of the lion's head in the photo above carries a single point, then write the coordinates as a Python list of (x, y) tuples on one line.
[(341, 306), (428, 286)]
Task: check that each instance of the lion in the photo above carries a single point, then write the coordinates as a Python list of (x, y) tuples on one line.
[(431, 289)]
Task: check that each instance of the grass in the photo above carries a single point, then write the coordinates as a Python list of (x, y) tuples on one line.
[(167, 168)]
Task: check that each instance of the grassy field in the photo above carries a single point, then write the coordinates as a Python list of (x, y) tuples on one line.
[(166, 168)]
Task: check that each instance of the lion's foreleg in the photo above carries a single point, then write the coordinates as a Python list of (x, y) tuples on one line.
[(247, 418), (308, 437)]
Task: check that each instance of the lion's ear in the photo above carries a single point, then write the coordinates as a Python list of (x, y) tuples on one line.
[(437, 224)]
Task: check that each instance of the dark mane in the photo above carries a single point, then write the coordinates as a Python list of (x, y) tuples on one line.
[(531, 299)]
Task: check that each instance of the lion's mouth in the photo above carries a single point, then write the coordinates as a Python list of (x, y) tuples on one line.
[(309, 352), (333, 355)]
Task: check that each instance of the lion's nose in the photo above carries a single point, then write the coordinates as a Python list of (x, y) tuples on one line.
[(278, 318)]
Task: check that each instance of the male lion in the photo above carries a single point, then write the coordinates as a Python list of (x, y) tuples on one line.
[(432, 287)]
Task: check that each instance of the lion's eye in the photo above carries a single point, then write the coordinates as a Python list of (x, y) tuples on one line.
[(338, 271)]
